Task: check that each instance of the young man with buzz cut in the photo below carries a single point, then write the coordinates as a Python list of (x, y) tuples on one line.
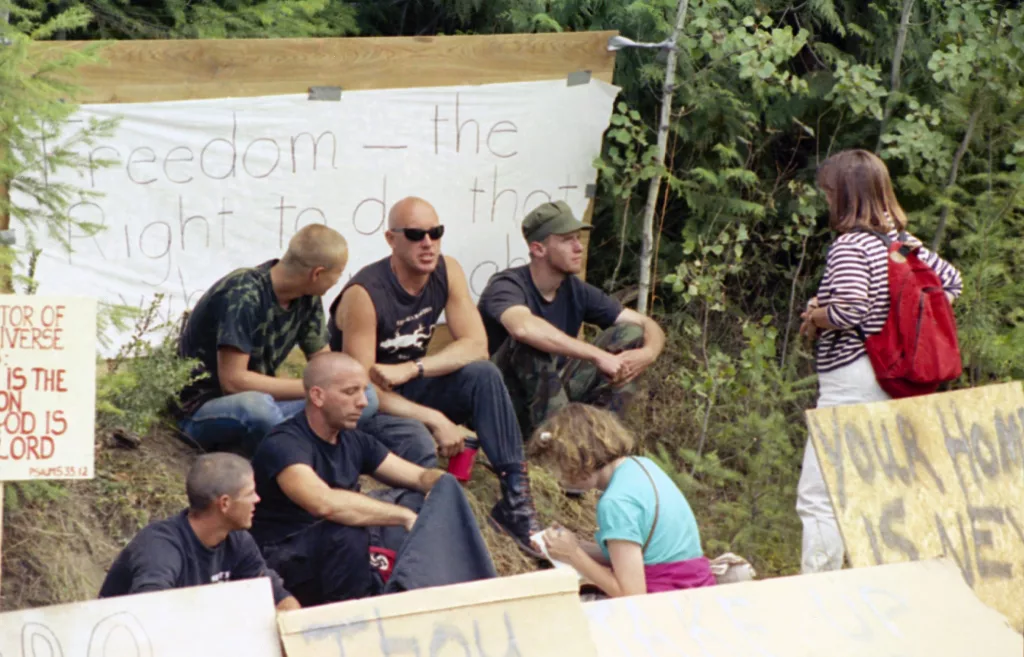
[(533, 316), (242, 329), (205, 544)]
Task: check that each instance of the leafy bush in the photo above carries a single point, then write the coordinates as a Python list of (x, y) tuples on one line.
[(134, 389)]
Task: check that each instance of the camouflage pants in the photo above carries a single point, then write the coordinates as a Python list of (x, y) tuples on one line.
[(540, 386)]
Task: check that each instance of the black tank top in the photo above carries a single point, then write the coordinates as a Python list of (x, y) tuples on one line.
[(405, 323)]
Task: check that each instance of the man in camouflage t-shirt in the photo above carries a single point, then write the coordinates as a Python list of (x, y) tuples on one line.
[(243, 328)]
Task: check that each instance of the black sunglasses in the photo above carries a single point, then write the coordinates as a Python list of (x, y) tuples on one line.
[(417, 234)]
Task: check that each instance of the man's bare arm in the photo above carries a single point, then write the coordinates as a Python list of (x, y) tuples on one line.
[(654, 337), (399, 473), (302, 486), (234, 376), (466, 326), (523, 326)]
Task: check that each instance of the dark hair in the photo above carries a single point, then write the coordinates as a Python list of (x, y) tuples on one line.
[(860, 193), (213, 475)]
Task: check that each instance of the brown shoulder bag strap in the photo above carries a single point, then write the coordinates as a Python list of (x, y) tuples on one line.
[(657, 504)]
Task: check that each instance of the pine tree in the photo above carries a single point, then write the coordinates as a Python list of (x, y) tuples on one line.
[(35, 138)]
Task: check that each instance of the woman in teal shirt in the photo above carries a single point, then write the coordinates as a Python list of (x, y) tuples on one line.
[(647, 538)]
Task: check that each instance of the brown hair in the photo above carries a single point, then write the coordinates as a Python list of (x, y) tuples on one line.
[(579, 440), (859, 193)]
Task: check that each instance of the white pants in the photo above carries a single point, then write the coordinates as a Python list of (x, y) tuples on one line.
[(822, 543)]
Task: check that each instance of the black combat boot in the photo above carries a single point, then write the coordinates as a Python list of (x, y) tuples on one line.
[(514, 514)]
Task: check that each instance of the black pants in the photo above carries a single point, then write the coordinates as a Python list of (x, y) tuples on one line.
[(328, 562), (475, 396)]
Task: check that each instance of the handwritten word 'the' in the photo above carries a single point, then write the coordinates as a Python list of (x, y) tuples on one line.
[(21, 327)]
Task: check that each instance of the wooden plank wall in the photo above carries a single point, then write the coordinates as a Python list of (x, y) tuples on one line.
[(148, 71), (155, 70)]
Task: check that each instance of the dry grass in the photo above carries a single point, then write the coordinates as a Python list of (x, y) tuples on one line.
[(60, 537)]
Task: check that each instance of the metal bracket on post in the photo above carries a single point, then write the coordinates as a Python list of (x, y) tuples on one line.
[(8, 237), (590, 191), (325, 93), (620, 42), (577, 77)]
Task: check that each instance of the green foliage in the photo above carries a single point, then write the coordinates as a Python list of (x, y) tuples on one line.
[(133, 390), (223, 19), (34, 141)]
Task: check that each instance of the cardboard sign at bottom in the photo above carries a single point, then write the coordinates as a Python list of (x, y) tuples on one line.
[(538, 614), (216, 620), (913, 609)]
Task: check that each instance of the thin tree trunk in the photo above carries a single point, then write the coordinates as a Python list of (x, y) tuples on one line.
[(953, 172), (792, 302), (647, 245), (897, 62)]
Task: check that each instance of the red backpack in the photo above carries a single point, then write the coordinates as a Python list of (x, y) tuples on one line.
[(917, 348)]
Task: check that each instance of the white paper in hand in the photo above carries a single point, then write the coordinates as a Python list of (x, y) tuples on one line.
[(538, 538)]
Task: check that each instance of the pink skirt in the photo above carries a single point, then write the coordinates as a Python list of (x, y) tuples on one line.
[(689, 574)]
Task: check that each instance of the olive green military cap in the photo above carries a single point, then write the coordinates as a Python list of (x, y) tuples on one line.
[(551, 219)]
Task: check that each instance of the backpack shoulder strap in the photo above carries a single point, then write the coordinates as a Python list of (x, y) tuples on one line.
[(657, 504), (882, 236)]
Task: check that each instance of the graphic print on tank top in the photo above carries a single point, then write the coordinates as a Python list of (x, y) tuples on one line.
[(406, 345)]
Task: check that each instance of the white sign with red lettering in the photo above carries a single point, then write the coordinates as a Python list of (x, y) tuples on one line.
[(48, 392)]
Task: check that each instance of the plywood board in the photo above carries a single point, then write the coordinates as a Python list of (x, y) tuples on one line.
[(918, 609), (47, 387), (538, 614), (217, 620), (928, 476), (155, 70)]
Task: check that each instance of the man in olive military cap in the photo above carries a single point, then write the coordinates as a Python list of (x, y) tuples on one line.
[(533, 314)]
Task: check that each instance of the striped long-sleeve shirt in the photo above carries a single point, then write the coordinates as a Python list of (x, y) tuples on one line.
[(855, 292)]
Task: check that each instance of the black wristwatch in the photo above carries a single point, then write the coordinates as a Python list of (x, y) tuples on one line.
[(419, 369)]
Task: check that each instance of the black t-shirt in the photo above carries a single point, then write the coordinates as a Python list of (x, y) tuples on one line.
[(575, 302), (241, 310), (405, 322), (293, 442), (168, 555)]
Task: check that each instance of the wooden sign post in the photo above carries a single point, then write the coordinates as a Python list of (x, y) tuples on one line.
[(48, 391), (939, 475)]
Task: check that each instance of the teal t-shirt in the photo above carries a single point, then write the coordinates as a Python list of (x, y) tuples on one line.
[(626, 512)]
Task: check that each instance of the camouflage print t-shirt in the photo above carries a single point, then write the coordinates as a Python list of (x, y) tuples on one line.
[(241, 311)]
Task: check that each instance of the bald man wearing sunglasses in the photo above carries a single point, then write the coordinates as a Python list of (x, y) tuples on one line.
[(385, 317)]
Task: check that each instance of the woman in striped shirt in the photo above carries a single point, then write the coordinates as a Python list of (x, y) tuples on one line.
[(852, 303)]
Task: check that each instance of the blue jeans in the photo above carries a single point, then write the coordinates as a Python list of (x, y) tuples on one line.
[(239, 422)]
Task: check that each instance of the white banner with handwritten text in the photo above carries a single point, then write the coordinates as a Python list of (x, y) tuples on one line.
[(198, 188)]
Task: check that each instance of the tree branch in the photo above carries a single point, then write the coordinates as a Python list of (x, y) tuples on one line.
[(792, 301), (668, 89), (953, 172), (897, 62)]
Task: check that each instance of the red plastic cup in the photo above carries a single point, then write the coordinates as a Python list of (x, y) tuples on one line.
[(460, 466)]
